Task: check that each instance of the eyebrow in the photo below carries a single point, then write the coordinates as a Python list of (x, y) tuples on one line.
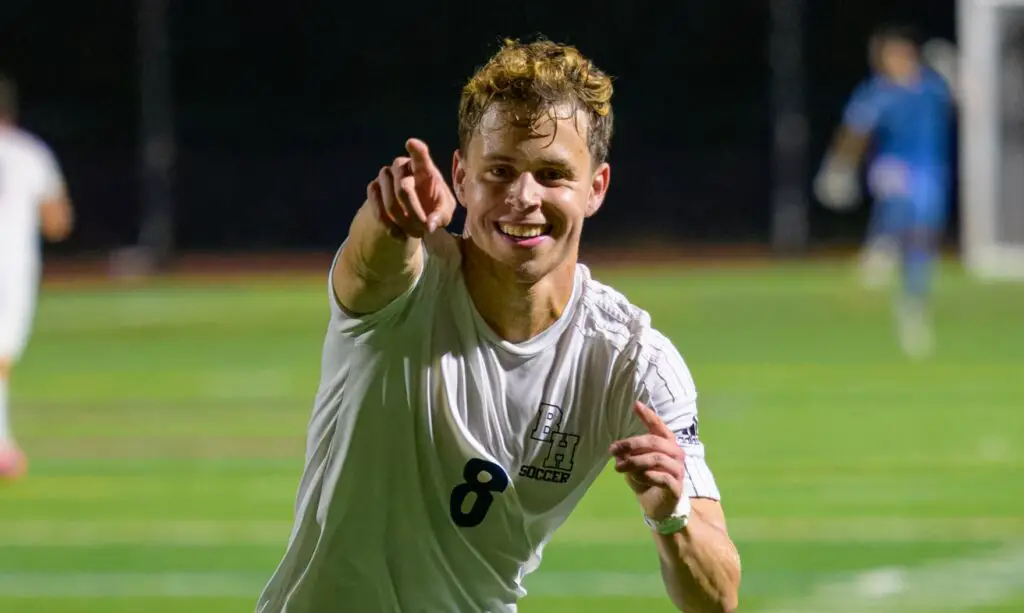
[(544, 160)]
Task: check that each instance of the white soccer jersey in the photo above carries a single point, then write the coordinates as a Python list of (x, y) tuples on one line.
[(441, 458), (29, 175)]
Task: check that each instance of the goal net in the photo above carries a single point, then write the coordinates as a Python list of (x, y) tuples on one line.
[(991, 89)]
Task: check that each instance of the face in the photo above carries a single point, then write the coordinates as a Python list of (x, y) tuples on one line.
[(895, 59), (527, 190)]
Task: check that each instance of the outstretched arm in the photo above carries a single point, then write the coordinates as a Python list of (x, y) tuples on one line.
[(860, 116), (837, 184), (382, 257), (942, 56)]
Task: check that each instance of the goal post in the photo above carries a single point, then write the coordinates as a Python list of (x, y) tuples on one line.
[(991, 90)]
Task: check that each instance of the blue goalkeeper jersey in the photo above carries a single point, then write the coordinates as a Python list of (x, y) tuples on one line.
[(910, 124)]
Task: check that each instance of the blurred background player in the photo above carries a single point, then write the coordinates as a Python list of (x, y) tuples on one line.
[(904, 108), (32, 195)]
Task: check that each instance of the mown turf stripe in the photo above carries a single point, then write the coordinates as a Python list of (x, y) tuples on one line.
[(67, 533), (959, 585)]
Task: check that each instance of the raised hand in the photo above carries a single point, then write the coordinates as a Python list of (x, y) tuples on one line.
[(412, 192), (653, 465), (837, 186)]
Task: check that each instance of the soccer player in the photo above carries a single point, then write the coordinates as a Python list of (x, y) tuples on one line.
[(473, 387), (905, 108), (32, 195)]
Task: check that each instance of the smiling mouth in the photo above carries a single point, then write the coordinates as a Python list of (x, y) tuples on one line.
[(522, 232)]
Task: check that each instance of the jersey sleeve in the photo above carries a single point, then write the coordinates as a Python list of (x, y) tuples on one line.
[(864, 108), (397, 311), (667, 387)]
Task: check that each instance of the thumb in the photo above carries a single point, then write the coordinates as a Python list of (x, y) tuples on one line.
[(438, 219), (651, 420)]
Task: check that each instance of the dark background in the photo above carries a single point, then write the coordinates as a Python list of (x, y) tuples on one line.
[(284, 111)]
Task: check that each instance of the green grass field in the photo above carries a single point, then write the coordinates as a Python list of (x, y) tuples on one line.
[(165, 428)]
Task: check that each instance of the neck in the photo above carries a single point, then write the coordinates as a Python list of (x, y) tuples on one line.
[(516, 308), (906, 78)]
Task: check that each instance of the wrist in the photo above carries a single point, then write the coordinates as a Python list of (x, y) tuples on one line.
[(838, 163), (674, 522)]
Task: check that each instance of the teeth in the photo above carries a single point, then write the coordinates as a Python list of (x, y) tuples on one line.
[(521, 231)]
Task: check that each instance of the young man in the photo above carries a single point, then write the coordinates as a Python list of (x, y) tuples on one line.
[(32, 193), (474, 386), (907, 107)]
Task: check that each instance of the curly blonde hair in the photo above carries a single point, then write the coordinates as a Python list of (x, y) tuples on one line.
[(534, 79)]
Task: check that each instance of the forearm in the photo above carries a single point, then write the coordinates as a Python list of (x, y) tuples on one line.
[(56, 218), (847, 148), (377, 263), (700, 567)]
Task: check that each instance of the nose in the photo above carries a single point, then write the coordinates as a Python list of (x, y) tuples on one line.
[(524, 192)]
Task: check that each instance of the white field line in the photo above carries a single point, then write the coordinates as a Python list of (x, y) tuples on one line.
[(209, 533), (948, 586)]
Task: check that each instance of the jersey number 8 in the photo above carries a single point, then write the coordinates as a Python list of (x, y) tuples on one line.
[(497, 482)]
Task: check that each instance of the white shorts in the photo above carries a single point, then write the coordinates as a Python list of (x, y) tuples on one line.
[(17, 308)]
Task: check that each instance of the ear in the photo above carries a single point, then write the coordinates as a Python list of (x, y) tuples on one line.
[(458, 176), (598, 188)]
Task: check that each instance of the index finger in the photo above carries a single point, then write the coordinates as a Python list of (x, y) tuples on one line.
[(651, 420), (420, 154)]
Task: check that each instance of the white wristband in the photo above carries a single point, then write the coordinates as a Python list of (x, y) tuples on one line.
[(674, 522)]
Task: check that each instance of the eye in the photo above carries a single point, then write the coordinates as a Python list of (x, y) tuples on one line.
[(499, 172), (550, 175)]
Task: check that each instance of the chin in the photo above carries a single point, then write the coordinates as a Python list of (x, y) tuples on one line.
[(527, 264), (532, 270), (535, 266)]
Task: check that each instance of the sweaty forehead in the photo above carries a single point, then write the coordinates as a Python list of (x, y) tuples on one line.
[(560, 132)]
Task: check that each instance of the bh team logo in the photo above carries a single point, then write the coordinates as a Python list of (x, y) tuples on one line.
[(560, 447)]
